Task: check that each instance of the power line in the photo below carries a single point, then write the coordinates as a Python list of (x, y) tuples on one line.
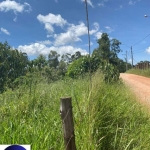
[(142, 39)]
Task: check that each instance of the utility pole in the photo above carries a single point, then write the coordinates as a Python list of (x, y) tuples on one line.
[(126, 61), (132, 56)]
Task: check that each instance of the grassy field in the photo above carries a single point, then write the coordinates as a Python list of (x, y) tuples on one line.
[(108, 117), (145, 72)]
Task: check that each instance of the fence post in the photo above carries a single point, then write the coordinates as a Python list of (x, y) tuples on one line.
[(67, 120)]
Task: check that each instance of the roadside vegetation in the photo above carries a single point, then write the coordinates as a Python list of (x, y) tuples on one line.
[(106, 114), (141, 72)]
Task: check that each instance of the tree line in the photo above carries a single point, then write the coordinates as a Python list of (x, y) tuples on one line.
[(15, 64)]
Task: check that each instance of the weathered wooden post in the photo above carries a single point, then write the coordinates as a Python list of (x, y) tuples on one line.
[(67, 120)]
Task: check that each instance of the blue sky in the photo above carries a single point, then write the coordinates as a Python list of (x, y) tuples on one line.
[(38, 26)]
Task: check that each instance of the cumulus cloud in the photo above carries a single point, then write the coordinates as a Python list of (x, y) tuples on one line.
[(89, 3), (40, 48), (96, 26), (50, 20), (9, 5), (46, 42), (148, 50), (5, 31), (98, 35), (73, 34)]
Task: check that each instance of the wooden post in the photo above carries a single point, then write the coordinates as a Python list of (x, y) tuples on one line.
[(67, 120)]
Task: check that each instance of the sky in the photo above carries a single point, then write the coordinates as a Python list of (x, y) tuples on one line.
[(38, 26)]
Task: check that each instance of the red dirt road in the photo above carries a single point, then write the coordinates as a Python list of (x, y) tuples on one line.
[(139, 85)]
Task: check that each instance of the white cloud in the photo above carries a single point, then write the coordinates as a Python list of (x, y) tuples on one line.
[(66, 38), (15, 19), (109, 29), (101, 4), (50, 20), (5, 31), (148, 50), (96, 26), (27, 5), (9, 5), (98, 35), (88, 44), (68, 49), (89, 3), (46, 42), (133, 2), (73, 33), (40, 48), (49, 27)]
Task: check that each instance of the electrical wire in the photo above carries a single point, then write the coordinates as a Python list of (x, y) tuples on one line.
[(141, 40)]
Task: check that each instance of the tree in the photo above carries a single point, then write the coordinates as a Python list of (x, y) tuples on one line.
[(104, 47), (107, 55), (53, 59), (62, 68), (79, 67), (12, 65), (76, 56), (68, 58), (40, 62)]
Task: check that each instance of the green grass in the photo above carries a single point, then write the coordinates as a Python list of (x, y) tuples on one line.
[(108, 117), (142, 72)]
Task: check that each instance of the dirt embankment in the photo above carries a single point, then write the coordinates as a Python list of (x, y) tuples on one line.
[(140, 86)]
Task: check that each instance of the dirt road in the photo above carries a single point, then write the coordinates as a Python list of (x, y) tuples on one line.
[(140, 86)]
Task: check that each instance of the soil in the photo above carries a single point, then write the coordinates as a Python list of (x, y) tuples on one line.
[(139, 85)]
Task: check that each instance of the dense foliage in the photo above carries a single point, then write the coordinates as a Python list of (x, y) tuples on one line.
[(105, 116), (104, 57), (12, 65), (15, 64)]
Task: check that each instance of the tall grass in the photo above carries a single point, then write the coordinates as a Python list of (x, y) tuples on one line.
[(142, 72), (106, 116)]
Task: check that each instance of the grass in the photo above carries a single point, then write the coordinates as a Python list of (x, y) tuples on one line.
[(142, 72), (108, 117)]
